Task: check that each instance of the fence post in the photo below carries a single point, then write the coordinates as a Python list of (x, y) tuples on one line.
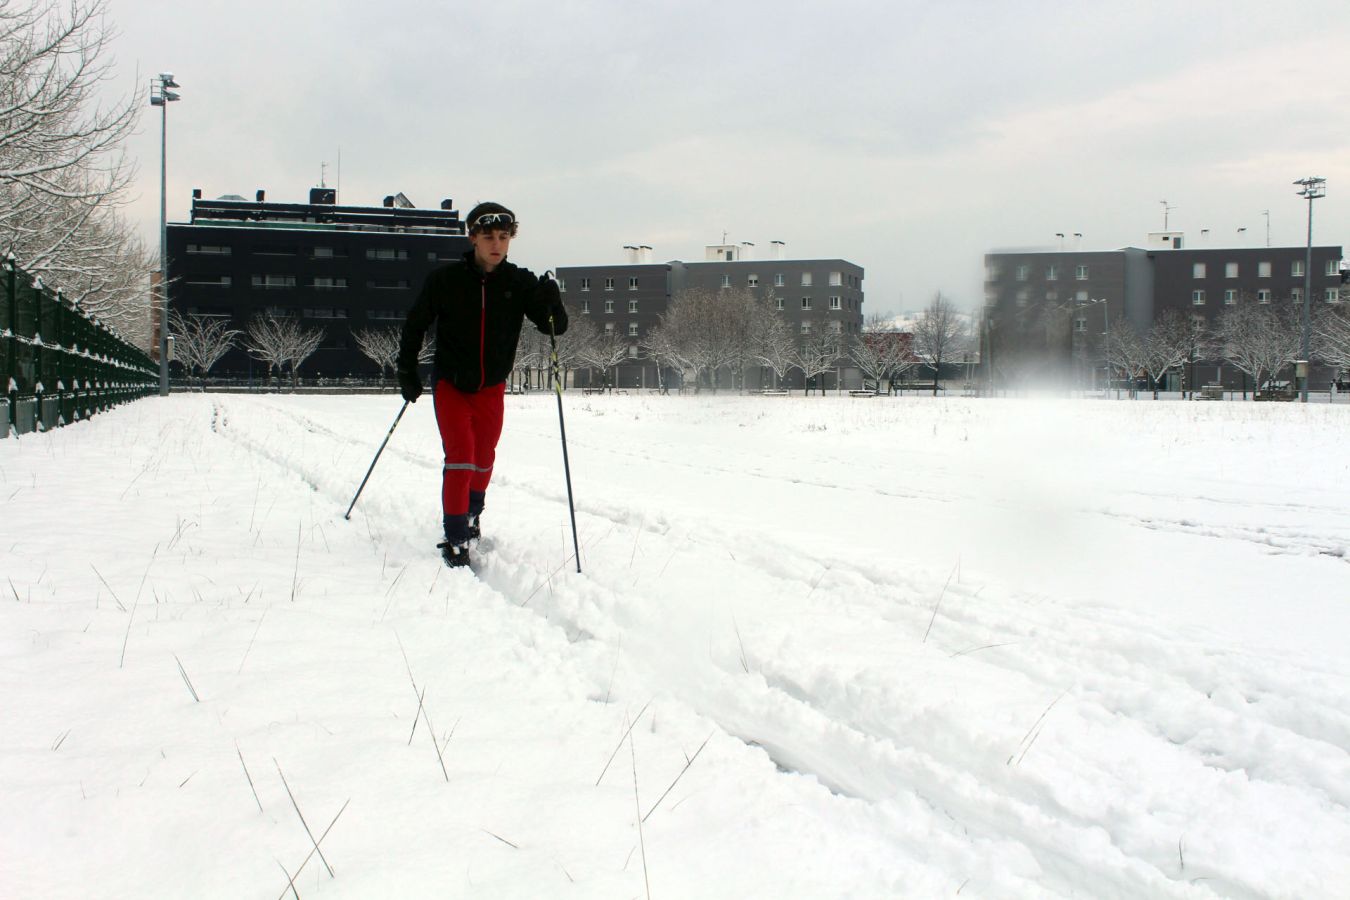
[(11, 376)]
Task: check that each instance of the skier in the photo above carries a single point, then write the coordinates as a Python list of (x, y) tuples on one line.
[(478, 305)]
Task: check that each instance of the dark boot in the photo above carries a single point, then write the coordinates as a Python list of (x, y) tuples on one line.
[(455, 555)]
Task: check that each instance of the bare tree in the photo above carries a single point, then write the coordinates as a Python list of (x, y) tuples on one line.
[(1125, 352), (817, 352), (62, 170), (939, 334), (281, 341), (1260, 340), (603, 351), (1167, 345), (882, 353), (201, 341), (1331, 337), (772, 342), (379, 345)]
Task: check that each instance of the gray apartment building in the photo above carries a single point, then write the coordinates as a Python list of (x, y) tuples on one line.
[(630, 298), (1046, 311)]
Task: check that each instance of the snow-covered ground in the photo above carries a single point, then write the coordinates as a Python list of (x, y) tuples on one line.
[(866, 648)]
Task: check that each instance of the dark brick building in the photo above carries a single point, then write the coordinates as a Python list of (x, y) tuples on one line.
[(337, 268)]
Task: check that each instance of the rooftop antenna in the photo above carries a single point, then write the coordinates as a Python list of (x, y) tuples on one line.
[(323, 174), (1266, 213), (1166, 209)]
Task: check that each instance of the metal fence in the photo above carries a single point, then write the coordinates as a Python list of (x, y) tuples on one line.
[(61, 365)]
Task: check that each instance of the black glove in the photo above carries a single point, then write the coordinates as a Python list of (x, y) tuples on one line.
[(551, 297), (410, 386)]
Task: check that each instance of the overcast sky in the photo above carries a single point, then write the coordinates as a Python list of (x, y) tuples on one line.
[(909, 138)]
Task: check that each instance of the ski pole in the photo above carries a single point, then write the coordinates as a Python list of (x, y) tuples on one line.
[(562, 429), (375, 460)]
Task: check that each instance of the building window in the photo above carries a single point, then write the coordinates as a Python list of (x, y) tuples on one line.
[(221, 250), (806, 328), (1080, 325), (806, 279), (329, 284), (778, 303), (836, 303), (778, 280), (726, 281), (1081, 273), (390, 314), (1197, 270), (325, 312), (1263, 270), (1023, 296), (609, 306), (1197, 298), (209, 280), (632, 306), (1332, 295), (276, 251), (752, 281), (836, 328), (273, 282), (991, 273), (385, 253), (806, 303), (279, 312), (1230, 270), (836, 279), (387, 284), (1023, 272), (585, 284), (1333, 266), (1296, 268), (632, 329), (585, 307), (1081, 297), (609, 328), (562, 286), (632, 283), (1052, 273), (609, 284), (1296, 295), (1229, 297), (1263, 295)]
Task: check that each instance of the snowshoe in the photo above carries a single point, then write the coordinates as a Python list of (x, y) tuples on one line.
[(455, 555)]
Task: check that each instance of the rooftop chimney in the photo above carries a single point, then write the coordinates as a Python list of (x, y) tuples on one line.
[(447, 204), (779, 249), (260, 196), (645, 253), (389, 202)]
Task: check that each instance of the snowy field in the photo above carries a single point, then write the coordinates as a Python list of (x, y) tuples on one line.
[(864, 648)]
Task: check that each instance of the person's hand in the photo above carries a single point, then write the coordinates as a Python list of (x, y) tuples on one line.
[(549, 294), (410, 386)]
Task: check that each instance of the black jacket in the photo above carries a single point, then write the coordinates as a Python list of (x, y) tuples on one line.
[(478, 317)]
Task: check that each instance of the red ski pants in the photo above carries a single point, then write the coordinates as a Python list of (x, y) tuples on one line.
[(470, 425)]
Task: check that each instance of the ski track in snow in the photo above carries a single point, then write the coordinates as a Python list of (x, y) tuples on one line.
[(1078, 689)]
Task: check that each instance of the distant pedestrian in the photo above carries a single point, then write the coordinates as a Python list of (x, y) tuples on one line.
[(478, 305)]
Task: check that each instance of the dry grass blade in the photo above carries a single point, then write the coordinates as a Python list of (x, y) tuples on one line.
[(938, 605), (290, 879), (619, 746), (417, 715), (302, 819), (248, 776), (249, 649), (678, 777), (637, 808), (290, 886), (56, 745), (745, 663), (1034, 731), (100, 578), (500, 838), (186, 680), (295, 579), (15, 591)]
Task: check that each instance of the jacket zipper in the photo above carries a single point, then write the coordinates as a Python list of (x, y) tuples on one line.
[(482, 338)]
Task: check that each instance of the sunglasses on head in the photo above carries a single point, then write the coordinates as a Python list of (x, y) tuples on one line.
[(487, 220)]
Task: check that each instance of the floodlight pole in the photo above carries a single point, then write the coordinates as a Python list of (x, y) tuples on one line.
[(161, 95), (1313, 188)]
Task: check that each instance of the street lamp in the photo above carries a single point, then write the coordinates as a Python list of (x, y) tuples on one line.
[(1106, 345), (1313, 188), (161, 95)]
